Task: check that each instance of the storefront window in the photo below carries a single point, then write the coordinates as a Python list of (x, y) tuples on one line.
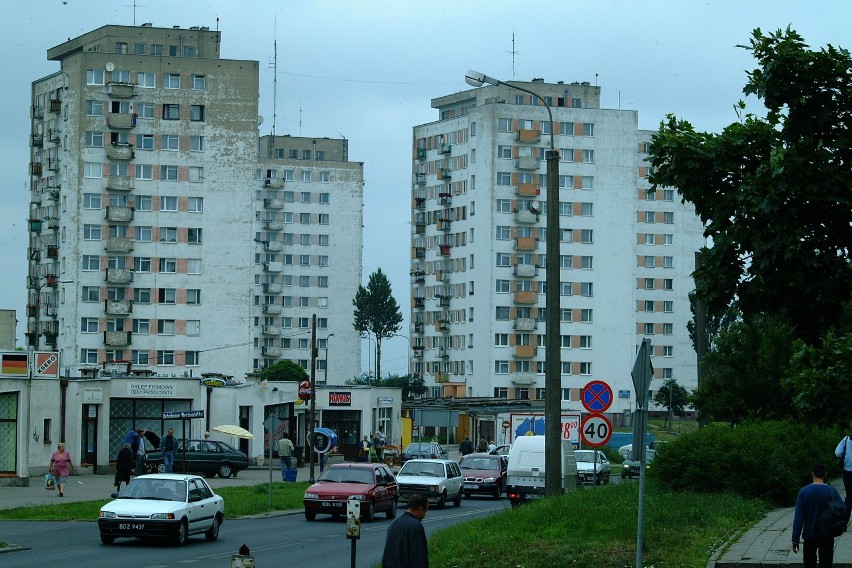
[(8, 431), (127, 414)]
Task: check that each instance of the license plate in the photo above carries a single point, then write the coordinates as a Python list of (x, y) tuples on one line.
[(131, 526), (333, 504), (471, 486)]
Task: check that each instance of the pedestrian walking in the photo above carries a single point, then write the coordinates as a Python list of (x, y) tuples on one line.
[(61, 467), (285, 454), (844, 458), (405, 545), (124, 463), (169, 445), (482, 446), (466, 447), (139, 452), (811, 502)]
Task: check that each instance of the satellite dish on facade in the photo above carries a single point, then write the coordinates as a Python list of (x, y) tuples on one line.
[(534, 207), (259, 120), (109, 66)]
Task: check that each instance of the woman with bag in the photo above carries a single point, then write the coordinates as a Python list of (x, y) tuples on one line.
[(61, 467), (844, 460)]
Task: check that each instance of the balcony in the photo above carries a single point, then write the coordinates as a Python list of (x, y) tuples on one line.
[(442, 326), (442, 276), (419, 228), (444, 250), (527, 163), (120, 152), (270, 351), (273, 266), (32, 310), (118, 307), (419, 276), (443, 353), (35, 168), (53, 165), (120, 183), (418, 328), (50, 311), (35, 225), (273, 246), (419, 252), (49, 338), (37, 140), (53, 194), (273, 183), (273, 204), (525, 297), (119, 276), (37, 112), (419, 302), (121, 90), (446, 148), (419, 202), (272, 288), (118, 244), (273, 225), (117, 338), (526, 270), (420, 179), (418, 351), (528, 190), (528, 136), (272, 309), (52, 223), (445, 199), (421, 153), (124, 120), (442, 377), (443, 301), (526, 243), (524, 324), (270, 330), (523, 379), (55, 105), (444, 224), (52, 251), (119, 214), (444, 173), (524, 351), (54, 134)]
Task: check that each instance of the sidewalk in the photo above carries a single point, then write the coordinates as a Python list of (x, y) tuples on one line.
[(767, 544)]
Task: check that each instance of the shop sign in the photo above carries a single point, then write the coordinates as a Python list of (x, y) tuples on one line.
[(384, 400), (150, 389), (340, 399)]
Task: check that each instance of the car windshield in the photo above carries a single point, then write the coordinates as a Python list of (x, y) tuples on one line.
[(585, 456), (418, 448), (155, 489), (478, 463), (422, 468), (347, 475)]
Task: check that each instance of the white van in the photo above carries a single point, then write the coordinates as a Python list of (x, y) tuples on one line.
[(525, 477)]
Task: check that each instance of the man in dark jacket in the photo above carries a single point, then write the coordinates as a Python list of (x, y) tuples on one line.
[(466, 447), (810, 504), (405, 546), (169, 445)]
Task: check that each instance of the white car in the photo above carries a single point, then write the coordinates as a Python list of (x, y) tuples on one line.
[(589, 462), (439, 480), (165, 506)]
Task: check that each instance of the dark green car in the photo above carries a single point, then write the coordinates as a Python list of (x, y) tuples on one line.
[(208, 457)]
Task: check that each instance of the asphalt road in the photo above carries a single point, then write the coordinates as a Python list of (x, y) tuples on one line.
[(272, 541)]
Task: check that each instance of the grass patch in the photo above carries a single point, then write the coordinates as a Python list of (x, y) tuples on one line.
[(80, 511), (597, 527)]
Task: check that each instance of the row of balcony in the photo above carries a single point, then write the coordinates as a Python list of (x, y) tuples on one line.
[(111, 338), (519, 324), (442, 149), (54, 106)]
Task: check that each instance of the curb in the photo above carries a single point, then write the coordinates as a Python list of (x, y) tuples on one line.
[(14, 548)]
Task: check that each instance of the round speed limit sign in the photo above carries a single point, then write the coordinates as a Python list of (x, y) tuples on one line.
[(596, 430)]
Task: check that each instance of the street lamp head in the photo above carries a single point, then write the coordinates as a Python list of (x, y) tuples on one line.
[(477, 79)]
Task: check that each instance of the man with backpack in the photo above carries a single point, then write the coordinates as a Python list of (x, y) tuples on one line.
[(814, 521)]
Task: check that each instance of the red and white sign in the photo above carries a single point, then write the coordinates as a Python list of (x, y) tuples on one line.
[(520, 424), (340, 399), (305, 390), (596, 430), (596, 396)]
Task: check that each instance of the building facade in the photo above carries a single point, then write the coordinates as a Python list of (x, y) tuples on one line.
[(478, 247)]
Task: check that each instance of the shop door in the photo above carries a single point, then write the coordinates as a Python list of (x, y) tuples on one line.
[(89, 443), (245, 422)]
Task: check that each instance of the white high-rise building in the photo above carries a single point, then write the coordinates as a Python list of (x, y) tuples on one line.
[(164, 234), (478, 247)]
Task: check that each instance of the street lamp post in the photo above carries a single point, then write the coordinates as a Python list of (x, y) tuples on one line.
[(552, 346), (408, 355), (325, 378), (370, 367)]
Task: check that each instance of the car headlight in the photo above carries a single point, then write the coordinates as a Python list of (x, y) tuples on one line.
[(163, 516), (435, 488), (357, 497), (311, 495), (625, 466), (106, 515), (489, 480)]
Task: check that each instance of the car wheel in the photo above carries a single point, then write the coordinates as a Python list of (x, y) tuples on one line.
[(457, 500), (182, 533), (106, 539), (370, 513), (213, 533), (497, 492), (161, 468), (225, 471), (208, 473), (391, 513), (310, 516), (467, 495), (442, 501)]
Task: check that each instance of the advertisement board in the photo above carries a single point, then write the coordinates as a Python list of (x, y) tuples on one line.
[(521, 424)]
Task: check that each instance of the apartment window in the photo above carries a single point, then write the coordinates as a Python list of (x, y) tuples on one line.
[(502, 233), (304, 281), (195, 205), (94, 139), (322, 281), (169, 173), (168, 234), (94, 108), (668, 195), (668, 351), (668, 262), (91, 262), (503, 259), (504, 178), (196, 143), (501, 367), (649, 305), (118, 170), (144, 172), (192, 358), (193, 235), (199, 82), (668, 217), (304, 260), (138, 49), (587, 236), (566, 315), (196, 113), (165, 327), (89, 325), (504, 125), (501, 313), (306, 176), (668, 284), (196, 173), (586, 315), (324, 198), (587, 182), (93, 170), (120, 76), (585, 342), (142, 326), (649, 239), (566, 368), (325, 177), (586, 209), (92, 232), (145, 110), (323, 218), (168, 265), (586, 262), (145, 141), (668, 306), (668, 239), (168, 203), (649, 262), (504, 206), (142, 263), (169, 142), (142, 295), (566, 182), (305, 218), (94, 76), (566, 128), (649, 283), (648, 328), (322, 260), (89, 356), (589, 156), (171, 111), (504, 152), (193, 296), (588, 129), (166, 296), (165, 357), (566, 288), (91, 294), (585, 368), (501, 286), (171, 80), (668, 328)]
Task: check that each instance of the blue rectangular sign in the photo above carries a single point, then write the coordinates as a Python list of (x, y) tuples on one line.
[(183, 415)]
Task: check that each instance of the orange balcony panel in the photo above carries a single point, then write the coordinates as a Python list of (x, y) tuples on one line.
[(525, 351), (526, 297), (528, 189)]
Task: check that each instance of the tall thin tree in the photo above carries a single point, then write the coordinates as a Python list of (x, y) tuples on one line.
[(377, 312)]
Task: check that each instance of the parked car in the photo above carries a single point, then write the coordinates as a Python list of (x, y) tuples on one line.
[(208, 457), (501, 450), (371, 483), (422, 450), (588, 463), (525, 474), (440, 480), (166, 506), (484, 474), (630, 468)]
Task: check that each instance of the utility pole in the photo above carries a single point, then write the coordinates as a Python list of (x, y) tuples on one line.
[(309, 446)]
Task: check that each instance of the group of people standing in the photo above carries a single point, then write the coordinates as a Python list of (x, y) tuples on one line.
[(466, 447), (372, 447)]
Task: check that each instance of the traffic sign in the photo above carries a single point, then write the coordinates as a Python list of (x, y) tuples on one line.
[(596, 430), (596, 396), (305, 388)]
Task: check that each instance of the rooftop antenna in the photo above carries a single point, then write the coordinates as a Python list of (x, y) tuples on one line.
[(275, 79), (134, 6), (513, 52)]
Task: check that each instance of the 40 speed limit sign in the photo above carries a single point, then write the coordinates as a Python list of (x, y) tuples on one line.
[(596, 430)]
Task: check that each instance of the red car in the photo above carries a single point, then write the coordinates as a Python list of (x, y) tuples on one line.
[(484, 474), (373, 484)]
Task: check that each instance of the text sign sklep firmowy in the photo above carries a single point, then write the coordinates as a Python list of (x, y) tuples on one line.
[(150, 389)]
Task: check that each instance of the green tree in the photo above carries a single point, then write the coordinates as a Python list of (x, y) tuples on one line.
[(377, 312), (821, 377), (411, 384), (284, 370), (746, 371), (773, 191), (673, 397)]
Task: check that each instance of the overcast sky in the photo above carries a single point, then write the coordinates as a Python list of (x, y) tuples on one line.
[(367, 71)]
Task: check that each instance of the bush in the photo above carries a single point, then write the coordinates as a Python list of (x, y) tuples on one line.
[(767, 460)]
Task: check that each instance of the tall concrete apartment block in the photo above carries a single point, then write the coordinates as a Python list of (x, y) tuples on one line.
[(158, 231), (478, 247)]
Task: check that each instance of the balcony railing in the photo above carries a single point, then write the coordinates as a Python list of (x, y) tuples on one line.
[(272, 309), (121, 120), (118, 244), (273, 204), (117, 338), (119, 276), (528, 190), (271, 351), (272, 288), (528, 136), (120, 152), (121, 90), (525, 351), (270, 330), (118, 307), (120, 183), (119, 214), (525, 297)]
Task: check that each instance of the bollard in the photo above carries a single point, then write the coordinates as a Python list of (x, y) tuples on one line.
[(243, 559)]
